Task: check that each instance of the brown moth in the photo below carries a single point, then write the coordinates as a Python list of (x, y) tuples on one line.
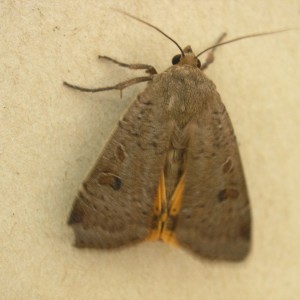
[(171, 170)]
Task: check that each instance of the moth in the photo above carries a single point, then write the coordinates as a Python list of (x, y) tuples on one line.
[(171, 170)]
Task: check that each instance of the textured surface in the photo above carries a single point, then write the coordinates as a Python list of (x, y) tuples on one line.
[(51, 136)]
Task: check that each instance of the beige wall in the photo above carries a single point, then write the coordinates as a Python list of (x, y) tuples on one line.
[(50, 136)]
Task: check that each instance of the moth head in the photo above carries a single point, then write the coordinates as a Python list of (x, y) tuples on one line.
[(189, 58)]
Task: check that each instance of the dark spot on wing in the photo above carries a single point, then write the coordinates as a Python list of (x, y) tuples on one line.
[(245, 231), (154, 144), (117, 183), (77, 215), (110, 179), (222, 195), (227, 193)]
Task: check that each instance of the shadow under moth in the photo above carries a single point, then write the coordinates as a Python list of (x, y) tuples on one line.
[(171, 171)]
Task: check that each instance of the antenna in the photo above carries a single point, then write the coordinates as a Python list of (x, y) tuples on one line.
[(242, 38), (150, 25)]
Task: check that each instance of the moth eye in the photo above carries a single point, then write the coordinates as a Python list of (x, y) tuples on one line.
[(176, 59), (198, 63)]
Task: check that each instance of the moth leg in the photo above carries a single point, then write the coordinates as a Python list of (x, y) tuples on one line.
[(168, 232), (148, 69), (210, 56), (120, 86), (160, 212)]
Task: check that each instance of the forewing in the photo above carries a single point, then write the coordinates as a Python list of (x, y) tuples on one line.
[(115, 204), (215, 220)]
